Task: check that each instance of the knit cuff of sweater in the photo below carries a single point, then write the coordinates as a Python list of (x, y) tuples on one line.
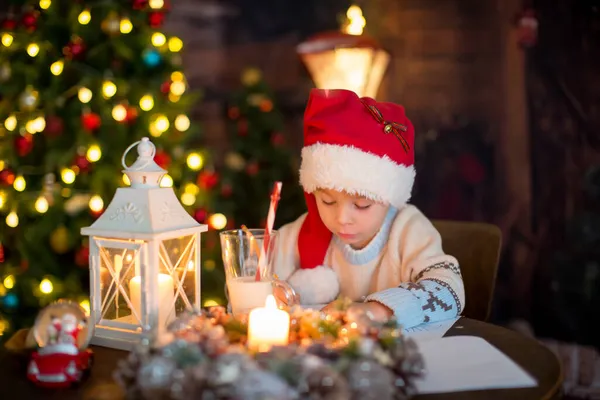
[(405, 305)]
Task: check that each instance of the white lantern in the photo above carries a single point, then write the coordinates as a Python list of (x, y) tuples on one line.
[(144, 257), (347, 59)]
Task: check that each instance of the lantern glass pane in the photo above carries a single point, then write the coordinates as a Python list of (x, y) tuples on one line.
[(119, 293), (177, 268)]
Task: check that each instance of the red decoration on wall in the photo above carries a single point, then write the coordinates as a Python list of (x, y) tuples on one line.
[(91, 121), (75, 48), (163, 159), (156, 19), (29, 21), (24, 144), (208, 179), (82, 163)]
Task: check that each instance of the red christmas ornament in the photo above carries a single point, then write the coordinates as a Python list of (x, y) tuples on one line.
[(29, 21), (242, 127), (54, 126), (200, 215), (7, 177), (527, 28), (156, 19), (24, 144), (82, 163), (82, 256), (277, 139), (163, 159), (91, 121), (252, 168), (75, 48), (233, 113), (1, 253), (132, 114), (9, 24), (139, 4), (226, 190), (165, 87), (208, 180)]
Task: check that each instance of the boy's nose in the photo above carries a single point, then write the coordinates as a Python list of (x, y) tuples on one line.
[(344, 215)]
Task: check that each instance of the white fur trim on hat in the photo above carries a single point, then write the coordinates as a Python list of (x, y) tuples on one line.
[(317, 285), (355, 171)]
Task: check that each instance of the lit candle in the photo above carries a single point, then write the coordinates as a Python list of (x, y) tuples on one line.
[(268, 326), (166, 297)]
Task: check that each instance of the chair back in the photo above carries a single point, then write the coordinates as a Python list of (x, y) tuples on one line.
[(476, 246)]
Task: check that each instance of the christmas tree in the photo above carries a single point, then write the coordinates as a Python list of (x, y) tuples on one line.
[(79, 82)]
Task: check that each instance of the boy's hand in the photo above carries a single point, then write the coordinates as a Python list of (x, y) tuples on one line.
[(376, 311)]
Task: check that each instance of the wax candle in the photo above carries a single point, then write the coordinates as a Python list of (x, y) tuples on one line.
[(268, 326), (166, 296)]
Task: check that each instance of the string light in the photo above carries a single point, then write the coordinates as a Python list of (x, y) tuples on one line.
[(158, 39), (178, 88), (7, 39), (85, 304), (2, 199), (33, 49), (19, 184), (46, 286), (166, 181), (57, 67), (84, 17), (84, 94), (147, 102), (9, 282), (182, 123), (45, 4), (96, 203), (126, 180), (188, 199), (12, 220), (109, 89), (67, 175), (119, 112), (10, 123), (36, 125), (177, 76), (162, 123), (191, 188), (356, 21), (194, 161), (156, 4), (126, 26), (41, 204), (218, 221), (93, 153), (175, 44)]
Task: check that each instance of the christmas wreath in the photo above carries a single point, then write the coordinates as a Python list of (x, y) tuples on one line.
[(342, 356)]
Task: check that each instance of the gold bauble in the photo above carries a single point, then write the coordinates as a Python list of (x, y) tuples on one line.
[(112, 24), (60, 240), (28, 100)]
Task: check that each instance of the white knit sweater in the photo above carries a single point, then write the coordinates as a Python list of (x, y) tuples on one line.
[(403, 267)]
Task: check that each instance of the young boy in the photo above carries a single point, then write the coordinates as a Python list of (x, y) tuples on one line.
[(360, 238)]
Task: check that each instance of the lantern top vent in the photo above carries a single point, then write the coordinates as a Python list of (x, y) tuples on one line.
[(144, 172)]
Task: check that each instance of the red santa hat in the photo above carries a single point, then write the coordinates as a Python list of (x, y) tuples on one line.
[(351, 144)]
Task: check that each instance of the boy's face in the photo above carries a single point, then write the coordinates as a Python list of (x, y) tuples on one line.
[(354, 219)]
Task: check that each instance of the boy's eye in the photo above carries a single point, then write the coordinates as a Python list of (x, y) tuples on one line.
[(328, 203), (362, 207)]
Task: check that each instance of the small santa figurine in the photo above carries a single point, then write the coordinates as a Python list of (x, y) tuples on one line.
[(53, 329), (70, 328)]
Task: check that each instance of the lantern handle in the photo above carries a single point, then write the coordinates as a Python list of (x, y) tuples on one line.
[(148, 158)]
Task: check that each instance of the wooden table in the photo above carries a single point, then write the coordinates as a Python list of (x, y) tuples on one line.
[(529, 354)]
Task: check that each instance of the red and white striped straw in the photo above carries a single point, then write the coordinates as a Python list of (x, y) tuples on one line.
[(275, 195)]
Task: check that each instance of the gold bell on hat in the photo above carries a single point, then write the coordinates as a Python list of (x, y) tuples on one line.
[(388, 128)]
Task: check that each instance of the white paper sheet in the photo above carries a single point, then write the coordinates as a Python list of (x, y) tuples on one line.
[(434, 330), (462, 363)]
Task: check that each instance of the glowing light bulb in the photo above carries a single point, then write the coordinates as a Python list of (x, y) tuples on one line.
[(57, 67), (126, 26), (84, 94), (109, 89), (12, 220), (218, 221), (182, 123), (46, 286), (35, 125), (9, 281), (194, 161), (210, 303), (7, 39), (177, 76), (119, 112), (175, 44), (161, 123), (178, 88), (158, 39), (2, 199), (33, 49), (93, 153), (19, 184), (147, 102), (156, 4), (85, 304), (166, 181), (67, 175), (126, 180), (10, 123), (191, 188), (41, 204), (45, 4), (188, 199), (96, 203), (84, 17)]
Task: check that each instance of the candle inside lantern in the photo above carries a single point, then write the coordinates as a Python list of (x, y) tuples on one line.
[(166, 296), (268, 326)]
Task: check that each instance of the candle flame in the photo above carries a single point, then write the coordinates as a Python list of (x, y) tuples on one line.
[(270, 302), (355, 22)]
